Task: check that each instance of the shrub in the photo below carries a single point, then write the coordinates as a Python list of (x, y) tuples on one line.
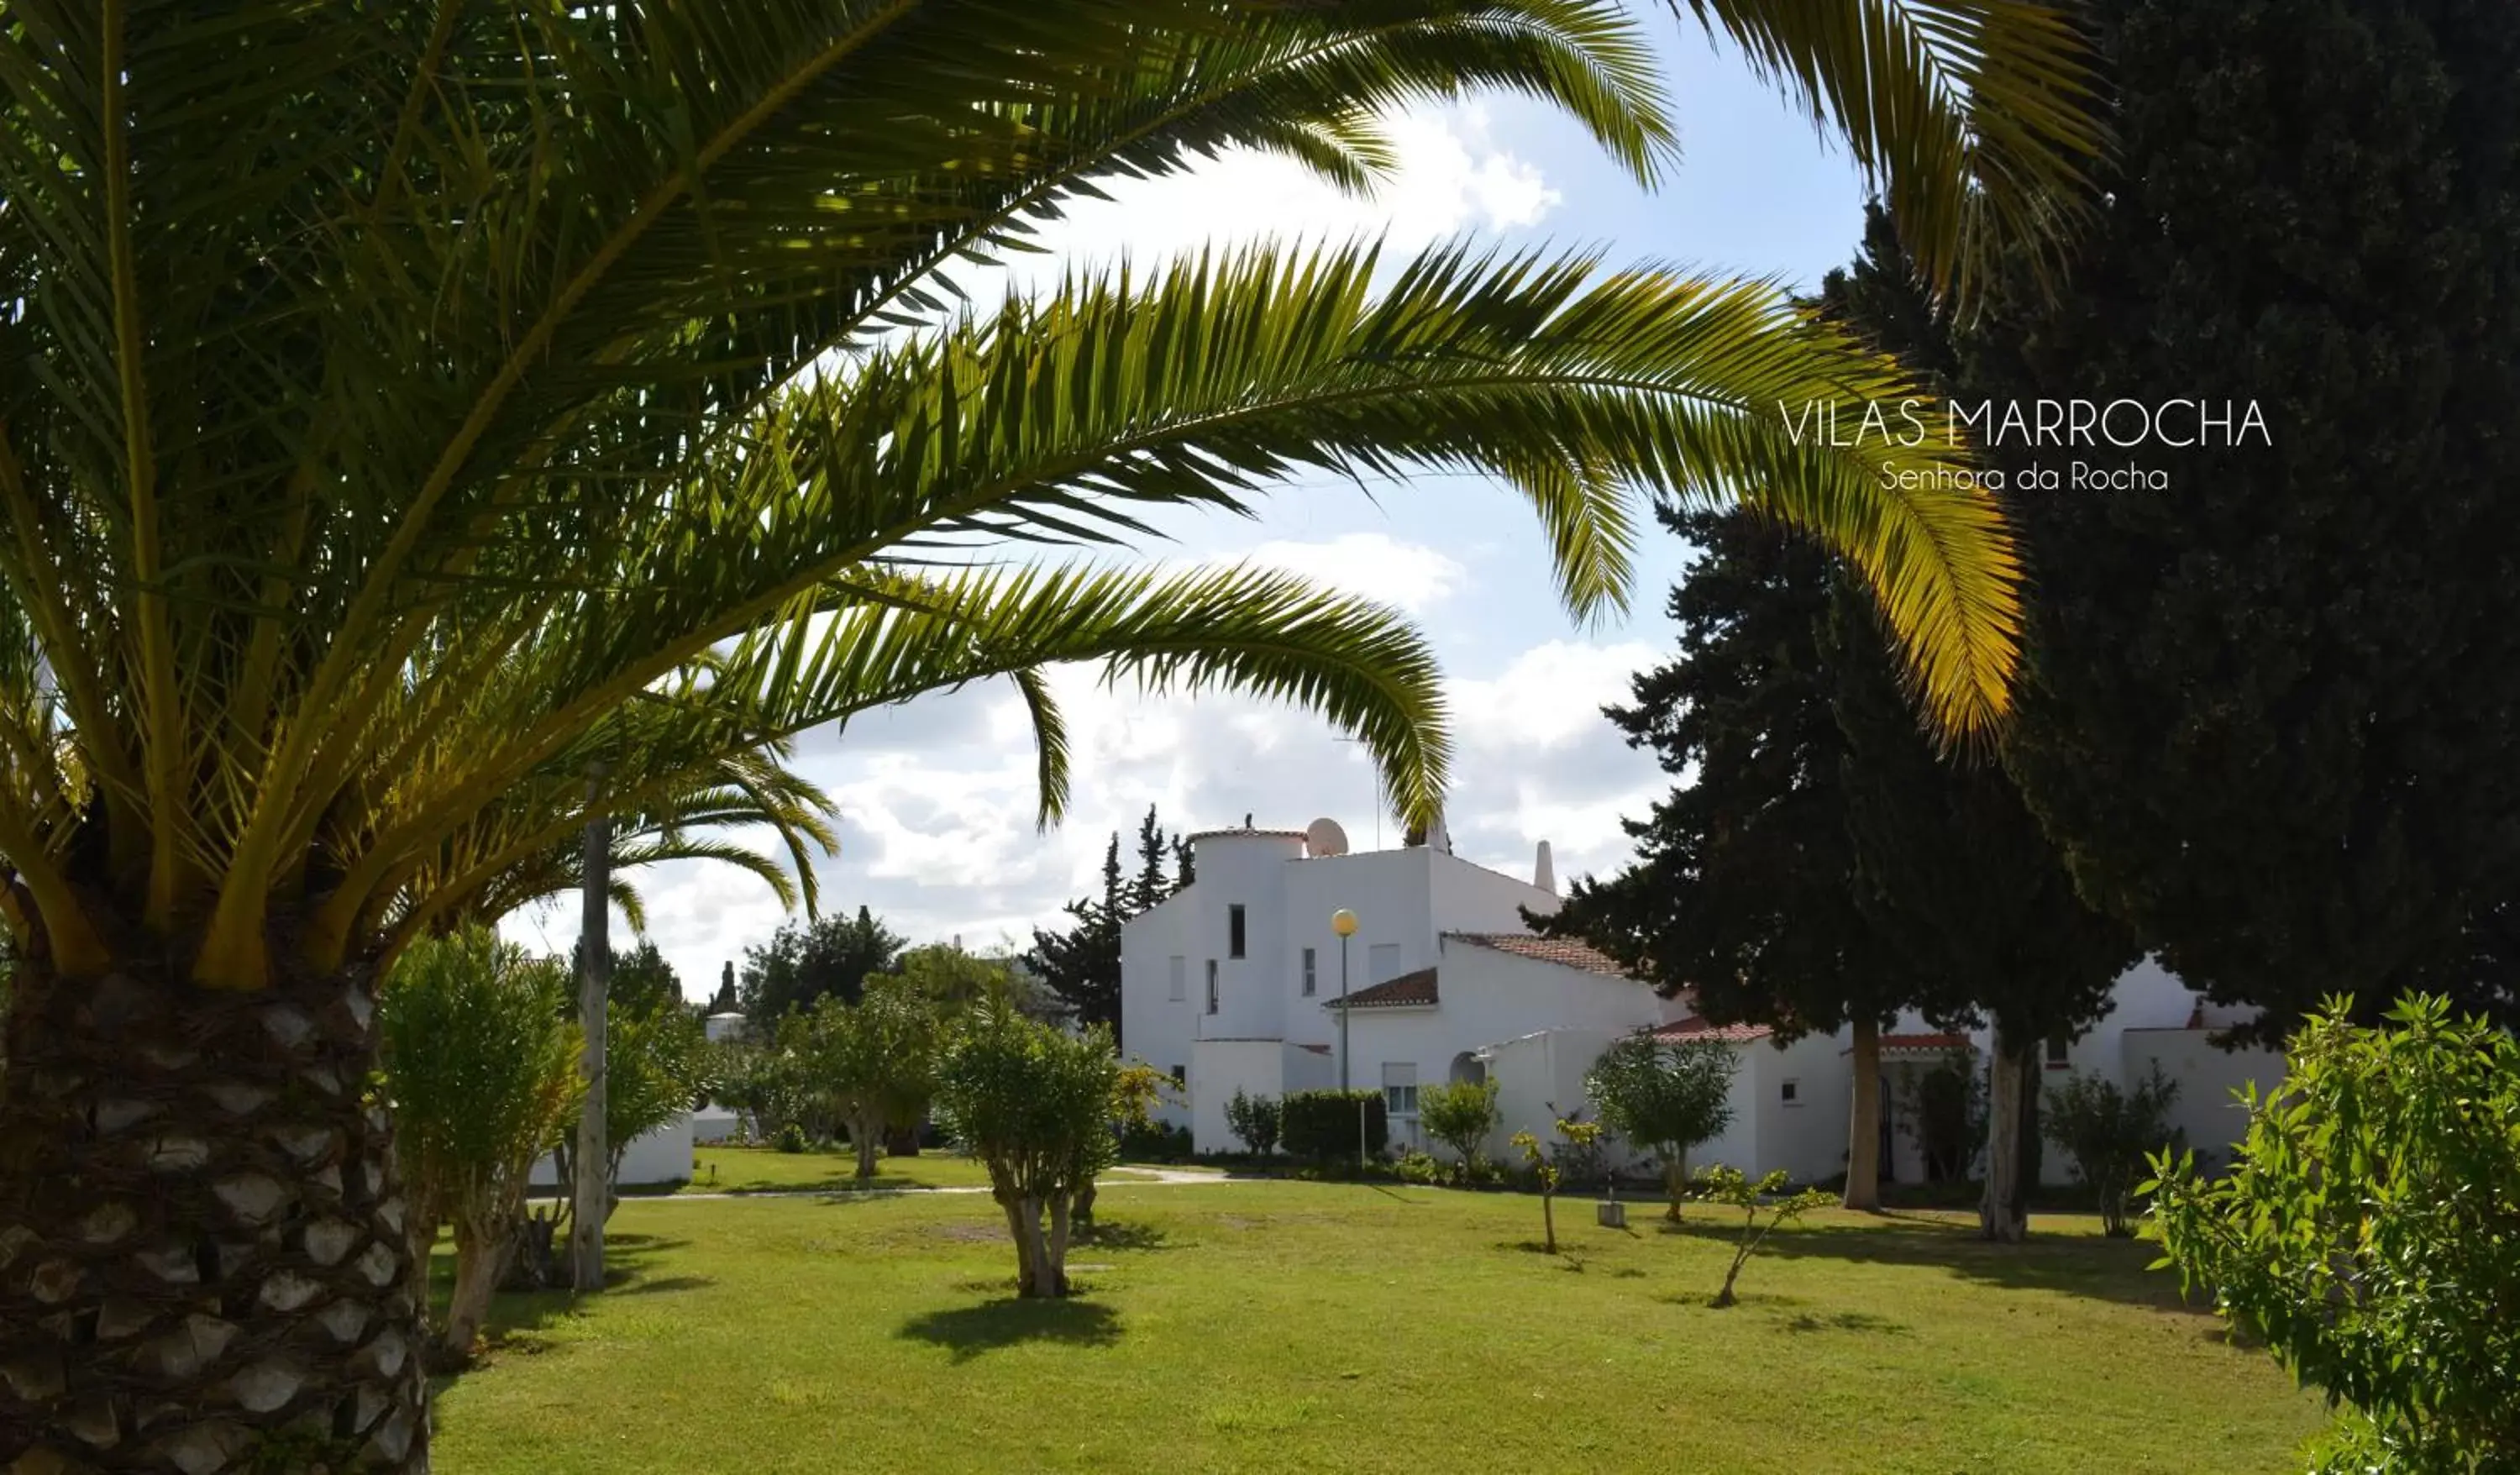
[(1666, 1099), (1575, 1136), (2109, 1132), (482, 1070), (1155, 1142), (1321, 1125), (1460, 1116), (1729, 1186), (1943, 1113), (1035, 1104), (792, 1138), (1421, 1167), (1254, 1120), (2365, 1234)]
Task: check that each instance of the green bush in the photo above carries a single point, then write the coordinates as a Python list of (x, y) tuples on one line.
[(1461, 1115), (1321, 1125), (2109, 1132), (1255, 1120), (1155, 1142), (1421, 1168), (792, 1138), (2366, 1234)]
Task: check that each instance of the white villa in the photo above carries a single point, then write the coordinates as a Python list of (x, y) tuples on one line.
[(1235, 982)]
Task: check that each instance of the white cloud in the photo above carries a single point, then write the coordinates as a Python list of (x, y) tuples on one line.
[(1549, 696), (1453, 177), (1408, 575)]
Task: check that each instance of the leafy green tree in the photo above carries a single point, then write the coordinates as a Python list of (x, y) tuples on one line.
[(2365, 1234), (1667, 1096), (802, 963), (874, 1062), (1254, 1121), (1738, 896), (2110, 1133), (481, 1071), (438, 402), (1729, 1186), (1461, 1115), (642, 982), (2268, 701), (1034, 1104)]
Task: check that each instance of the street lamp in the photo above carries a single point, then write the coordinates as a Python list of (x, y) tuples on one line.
[(1343, 923)]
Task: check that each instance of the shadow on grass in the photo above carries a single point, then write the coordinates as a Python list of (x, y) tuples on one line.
[(1105, 1235), (517, 1319), (1845, 1321), (970, 1330), (2109, 1269)]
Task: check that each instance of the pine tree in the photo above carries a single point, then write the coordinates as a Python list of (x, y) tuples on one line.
[(2273, 707), (1081, 964)]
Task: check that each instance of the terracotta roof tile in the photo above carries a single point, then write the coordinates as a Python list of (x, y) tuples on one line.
[(1562, 951), (1699, 1027), (1408, 989)]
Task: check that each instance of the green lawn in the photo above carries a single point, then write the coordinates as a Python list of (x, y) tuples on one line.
[(1288, 1326), (766, 1170)]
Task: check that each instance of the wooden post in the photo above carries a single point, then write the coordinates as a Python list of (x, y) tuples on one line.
[(594, 1187)]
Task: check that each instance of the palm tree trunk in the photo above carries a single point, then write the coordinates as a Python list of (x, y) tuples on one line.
[(1864, 1120), (203, 1235), (2001, 1215)]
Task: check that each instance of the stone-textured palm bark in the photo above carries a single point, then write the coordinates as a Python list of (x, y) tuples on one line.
[(1863, 1119), (205, 1259)]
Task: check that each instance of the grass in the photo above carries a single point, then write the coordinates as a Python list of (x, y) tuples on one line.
[(1289, 1326), (724, 1169)]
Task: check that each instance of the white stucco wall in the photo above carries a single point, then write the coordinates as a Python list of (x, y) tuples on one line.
[(2204, 1108), (1218, 1068), (662, 1156)]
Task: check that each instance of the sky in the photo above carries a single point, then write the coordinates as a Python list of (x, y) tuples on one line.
[(937, 798)]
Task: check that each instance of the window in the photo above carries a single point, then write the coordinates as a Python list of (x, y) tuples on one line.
[(1382, 962), (1793, 1094), (1400, 1087), (1211, 985), (1181, 1075), (1308, 983), (2059, 1051), (1233, 930), (1180, 979)]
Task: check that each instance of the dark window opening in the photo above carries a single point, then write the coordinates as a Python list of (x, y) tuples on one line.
[(1233, 931)]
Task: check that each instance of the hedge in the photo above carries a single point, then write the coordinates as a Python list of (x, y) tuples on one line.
[(1321, 1125)]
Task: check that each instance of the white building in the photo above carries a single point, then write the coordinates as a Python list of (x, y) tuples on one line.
[(1234, 984)]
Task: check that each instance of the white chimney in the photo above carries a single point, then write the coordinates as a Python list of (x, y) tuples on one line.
[(1544, 870)]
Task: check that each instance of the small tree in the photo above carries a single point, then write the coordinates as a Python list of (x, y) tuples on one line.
[(1723, 1184), (1667, 1097), (1572, 1136), (2109, 1132), (481, 1068), (1254, 1120), (1460, 1116), (874, 1062), (1034, 1104), (2365, 1234), (1136, 1092)]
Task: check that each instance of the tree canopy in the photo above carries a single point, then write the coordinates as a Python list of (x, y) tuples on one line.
[(2268, 703), (1081, 964), (805, 962)]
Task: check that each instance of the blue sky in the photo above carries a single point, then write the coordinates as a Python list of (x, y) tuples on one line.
[(937, 827)]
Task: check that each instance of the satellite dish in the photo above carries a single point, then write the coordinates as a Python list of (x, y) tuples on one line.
[(1324, 837)]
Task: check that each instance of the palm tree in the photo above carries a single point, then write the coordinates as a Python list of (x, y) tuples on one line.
[(407, 407)]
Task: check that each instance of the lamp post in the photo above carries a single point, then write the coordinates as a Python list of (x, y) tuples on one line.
[(1343, 923)]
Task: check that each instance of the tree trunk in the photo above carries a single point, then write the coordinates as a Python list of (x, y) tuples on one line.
[(1021, 1233), (481, 1249), (1085, 1206), (1054, 1261), (1549, 1221), (2001, 1210), (204, 1260), (862, 1136), (1864, 1120), (1675, 1181)]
